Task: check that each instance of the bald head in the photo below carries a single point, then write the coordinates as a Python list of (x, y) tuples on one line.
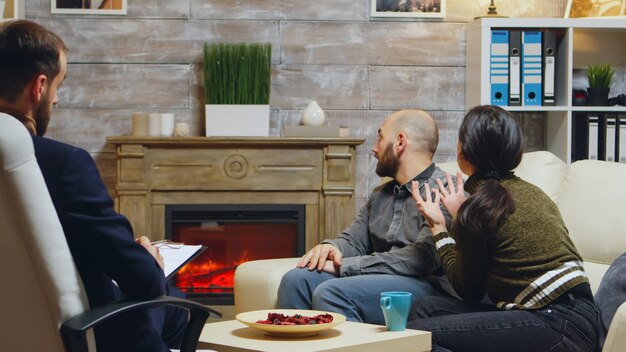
[(419, 127)]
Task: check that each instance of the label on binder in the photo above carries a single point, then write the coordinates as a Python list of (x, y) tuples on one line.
[(549, 64), (515, 67), (531, 68), (499, 67)]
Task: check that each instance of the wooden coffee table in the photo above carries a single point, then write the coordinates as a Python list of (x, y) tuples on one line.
[(233, 336)]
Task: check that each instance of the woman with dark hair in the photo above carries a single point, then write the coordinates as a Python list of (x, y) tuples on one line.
[(508, 254)]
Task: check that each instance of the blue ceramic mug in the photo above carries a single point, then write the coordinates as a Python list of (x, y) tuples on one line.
[(395, 306)]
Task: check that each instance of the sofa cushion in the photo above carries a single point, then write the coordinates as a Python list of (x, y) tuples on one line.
[(543, 169), (591, 202)]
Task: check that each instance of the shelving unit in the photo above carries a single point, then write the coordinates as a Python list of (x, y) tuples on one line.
[(13, 9), (581, 41)]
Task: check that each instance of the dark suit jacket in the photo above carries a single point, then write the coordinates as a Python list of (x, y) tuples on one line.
[(101, 240)]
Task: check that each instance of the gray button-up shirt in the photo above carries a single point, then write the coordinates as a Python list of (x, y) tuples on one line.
[(390, 236)]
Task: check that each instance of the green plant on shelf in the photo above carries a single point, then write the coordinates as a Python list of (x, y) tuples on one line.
[(600, 75), (237, 73)]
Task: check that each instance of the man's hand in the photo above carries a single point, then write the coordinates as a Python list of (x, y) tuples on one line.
[(154, 251), (329, 267), (323, 257)]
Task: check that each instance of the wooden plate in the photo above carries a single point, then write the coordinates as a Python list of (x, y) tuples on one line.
[(251, 318)]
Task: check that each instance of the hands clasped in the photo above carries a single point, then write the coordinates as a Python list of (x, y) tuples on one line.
[(430, 208), (323, 257)]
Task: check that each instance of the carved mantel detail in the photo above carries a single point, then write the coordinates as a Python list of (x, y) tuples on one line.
[(316, 172)]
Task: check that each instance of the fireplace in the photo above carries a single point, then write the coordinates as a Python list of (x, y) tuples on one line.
[(318, 174), (233, 234)]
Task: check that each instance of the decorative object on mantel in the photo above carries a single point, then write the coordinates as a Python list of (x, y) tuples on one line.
[(154, 124), (140, 123), (600, 77), (312, 124), (167, 124), (312, 115), (237, 88), (492, 12), (181, 129)]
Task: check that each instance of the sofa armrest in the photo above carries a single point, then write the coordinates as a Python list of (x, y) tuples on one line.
[(616, 336), (257, 281)]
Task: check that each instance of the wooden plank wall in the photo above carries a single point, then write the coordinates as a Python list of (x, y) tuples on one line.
[(358, 69)]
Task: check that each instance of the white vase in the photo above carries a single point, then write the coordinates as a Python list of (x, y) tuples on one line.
[(313, 115)]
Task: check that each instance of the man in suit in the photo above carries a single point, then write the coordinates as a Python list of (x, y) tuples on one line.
[(112, 264)]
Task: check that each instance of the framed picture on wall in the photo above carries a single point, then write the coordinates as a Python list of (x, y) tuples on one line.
[(88, 7), (408, 8), (595, 8)]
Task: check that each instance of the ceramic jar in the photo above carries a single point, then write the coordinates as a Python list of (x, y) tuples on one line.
[(313, 115)]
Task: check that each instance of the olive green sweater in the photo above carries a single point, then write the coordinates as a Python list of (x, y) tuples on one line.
[(527, 264)]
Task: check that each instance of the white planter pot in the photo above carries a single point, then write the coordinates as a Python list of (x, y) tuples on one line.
[(237, 120)]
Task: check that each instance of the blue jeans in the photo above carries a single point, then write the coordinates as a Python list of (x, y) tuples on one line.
[(356, 297), (569, 324)]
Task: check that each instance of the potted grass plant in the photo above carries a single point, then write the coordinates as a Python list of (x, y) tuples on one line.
[(599, 78), (237, 88)]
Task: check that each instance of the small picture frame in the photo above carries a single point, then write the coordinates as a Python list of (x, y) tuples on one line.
[(408, 8), (595, 8), (89, 7)]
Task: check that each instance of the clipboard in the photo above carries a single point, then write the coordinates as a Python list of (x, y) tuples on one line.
[(175, 256)]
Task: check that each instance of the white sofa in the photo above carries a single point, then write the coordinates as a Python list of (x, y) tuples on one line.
[(590, 195)]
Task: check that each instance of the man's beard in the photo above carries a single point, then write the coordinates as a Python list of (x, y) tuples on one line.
[(388, 164), (42, 115)]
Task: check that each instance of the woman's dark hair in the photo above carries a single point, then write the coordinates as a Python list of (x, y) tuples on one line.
[(492, 141), (27, 49)]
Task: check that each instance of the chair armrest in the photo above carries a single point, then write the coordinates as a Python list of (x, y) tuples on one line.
[(616, 336), (74, 330), (257, 281)]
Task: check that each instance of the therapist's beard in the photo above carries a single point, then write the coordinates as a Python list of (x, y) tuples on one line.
[(42, 116)]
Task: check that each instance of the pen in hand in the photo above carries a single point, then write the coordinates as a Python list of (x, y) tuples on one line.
[(154, 251), (167, 243)]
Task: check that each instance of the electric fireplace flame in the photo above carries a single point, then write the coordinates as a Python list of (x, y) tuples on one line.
[(208, 276), (231, 237)]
